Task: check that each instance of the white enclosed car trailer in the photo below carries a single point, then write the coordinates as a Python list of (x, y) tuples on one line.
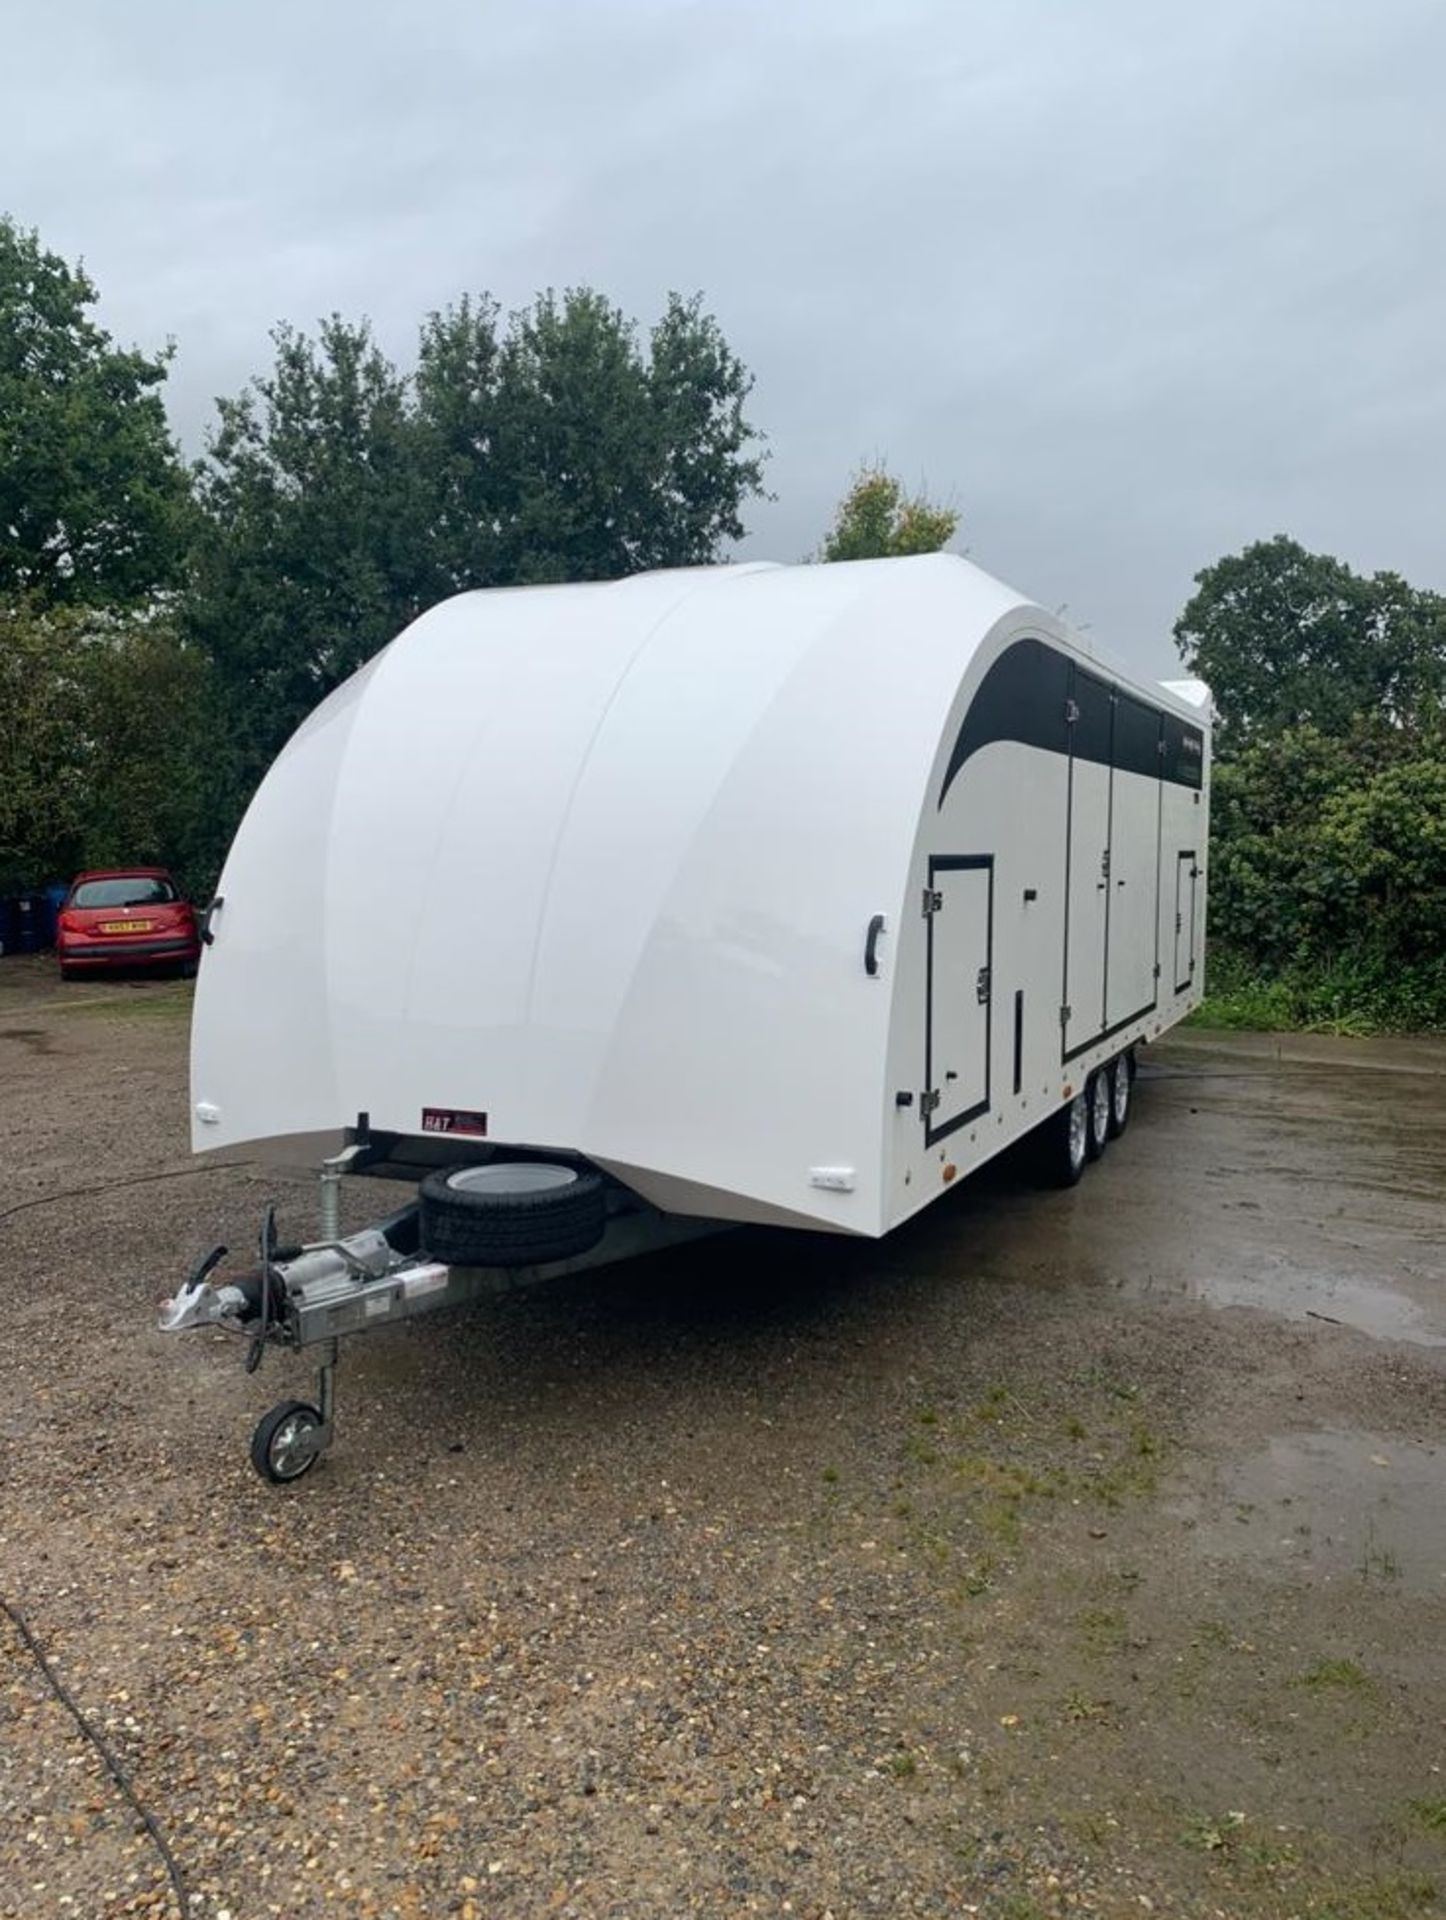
[(609, 913)]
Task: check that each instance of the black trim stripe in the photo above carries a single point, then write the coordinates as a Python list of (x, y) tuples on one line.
[(1107, 1033), (1025, 695), (1018, 1038)]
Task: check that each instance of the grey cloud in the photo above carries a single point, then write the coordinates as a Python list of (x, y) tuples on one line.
[(1132, 284)]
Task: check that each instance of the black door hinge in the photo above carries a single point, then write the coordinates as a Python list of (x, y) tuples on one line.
[(933, 901), (981, 986)]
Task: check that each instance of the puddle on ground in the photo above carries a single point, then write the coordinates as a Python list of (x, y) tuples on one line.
[(1336, 1506), (1375, 1306)]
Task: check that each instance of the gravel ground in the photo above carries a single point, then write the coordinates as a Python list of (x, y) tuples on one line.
[(1064, 1554)]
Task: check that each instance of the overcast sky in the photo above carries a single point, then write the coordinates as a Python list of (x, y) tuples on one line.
[(1129, 282)]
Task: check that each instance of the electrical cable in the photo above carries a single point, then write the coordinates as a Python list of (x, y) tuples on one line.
[(113, 1766), (110, 1186)]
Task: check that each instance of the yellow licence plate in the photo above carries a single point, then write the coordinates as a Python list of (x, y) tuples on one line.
[(126, 926)]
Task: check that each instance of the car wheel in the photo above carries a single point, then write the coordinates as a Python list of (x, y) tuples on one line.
[(1098, 1095), (512, 1213), (1122, 1085), (1064, 1141)]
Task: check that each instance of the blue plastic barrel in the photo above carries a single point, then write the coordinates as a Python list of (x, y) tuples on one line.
[(50, 900), (27, 923)]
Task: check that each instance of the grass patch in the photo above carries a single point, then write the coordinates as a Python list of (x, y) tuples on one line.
[(1080, 1706), (1378, 1562), (1430, 1814), (1102, 1631), (974, 1483), (1256, 1006), (1348, 995), (1021, 1906), (1328, 1674), (1214, 1833), (1399, 1896)]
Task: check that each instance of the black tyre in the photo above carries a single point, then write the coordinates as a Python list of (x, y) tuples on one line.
[(512, 1213), (285, 1443), (1097, 1096), (1122, 1088), (1064, 1143)]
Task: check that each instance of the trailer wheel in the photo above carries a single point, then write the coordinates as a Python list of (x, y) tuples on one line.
[(286, 1443), (1097, 1093), (1064, 1143), (1122, 1083), (521, 1213)]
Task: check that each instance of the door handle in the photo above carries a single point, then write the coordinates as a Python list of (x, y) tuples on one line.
[(871, 945)]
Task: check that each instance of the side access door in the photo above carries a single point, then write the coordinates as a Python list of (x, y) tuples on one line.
[(1132, 911), (1187, 881), (959, 907), (1090, 716)]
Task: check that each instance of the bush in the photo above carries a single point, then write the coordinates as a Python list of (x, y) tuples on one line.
[(1328, 881), (106, 730)]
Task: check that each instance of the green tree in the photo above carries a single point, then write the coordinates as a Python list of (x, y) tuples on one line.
[(313, 549), (876, 519), (560, 448), (1328, 819), (43, 760), (104, 724), (151, 785), (340, 497), (1287, 638), (93, 496)]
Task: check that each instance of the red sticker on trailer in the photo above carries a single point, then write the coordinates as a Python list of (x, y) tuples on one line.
[(453, 1120)]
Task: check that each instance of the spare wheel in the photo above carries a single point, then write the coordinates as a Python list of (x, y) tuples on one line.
[(511, 1213)]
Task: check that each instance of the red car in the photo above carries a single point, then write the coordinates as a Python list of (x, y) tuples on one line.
[(126, 917)]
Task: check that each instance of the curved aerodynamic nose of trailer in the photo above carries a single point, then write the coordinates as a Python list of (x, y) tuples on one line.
[(382, 905)]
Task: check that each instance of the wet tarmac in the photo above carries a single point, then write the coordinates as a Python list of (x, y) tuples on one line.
[(1063, 1554), (1336, 1505)]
